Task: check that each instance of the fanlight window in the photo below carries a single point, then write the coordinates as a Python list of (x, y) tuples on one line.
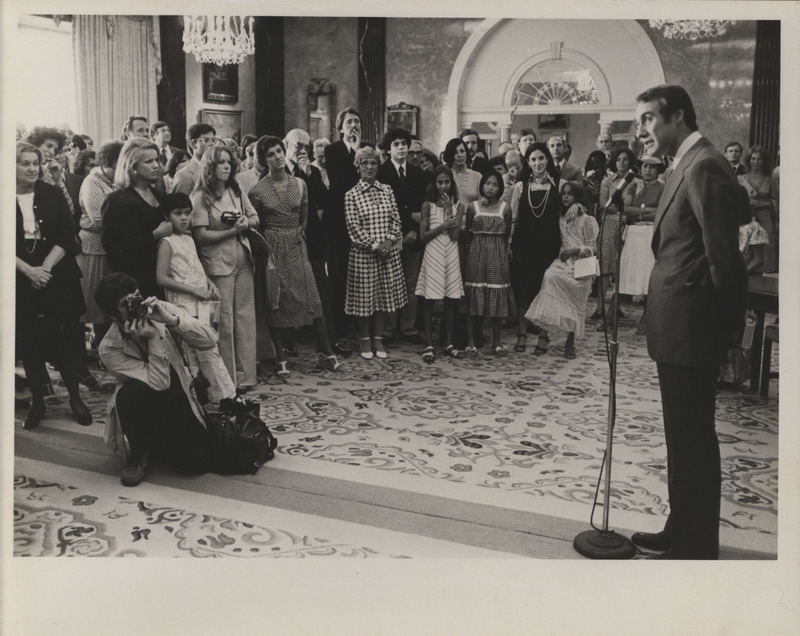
[(555, 83)]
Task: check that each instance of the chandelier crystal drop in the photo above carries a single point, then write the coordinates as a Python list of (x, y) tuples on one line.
[(217, 39), (692, 29)]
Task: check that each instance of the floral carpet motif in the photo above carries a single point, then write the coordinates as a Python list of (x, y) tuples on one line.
[(522, 423), (57, 520)]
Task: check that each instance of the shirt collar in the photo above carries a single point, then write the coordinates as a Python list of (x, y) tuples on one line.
[(397, 166), (364, 186), (690, 141)]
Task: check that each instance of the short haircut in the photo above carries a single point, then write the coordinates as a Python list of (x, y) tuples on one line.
[(78, 142), (263, 146), (89, 141), (559, 137), (24, 146), (108, 153), (38, 135), (615, 154), (497, 160), (469, 131), (110, 289), (175, 201), (367, 152), (197, 130), (82, 161), (450, 150), (395, 133), (599, 154), (734, 143), (501, 186), (342, 114), (248, 139), (527, 131), (671, 98), (513, 156), (157, 126), (126, 128)]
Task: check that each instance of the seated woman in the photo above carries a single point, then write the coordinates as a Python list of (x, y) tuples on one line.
[(637, 260), (375, 282), (560, 305)]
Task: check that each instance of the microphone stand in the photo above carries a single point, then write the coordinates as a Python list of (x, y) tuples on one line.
[(605, 543)]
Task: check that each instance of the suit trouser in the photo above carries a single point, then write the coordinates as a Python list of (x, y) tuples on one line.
[(693, 461), (411, 259), (163, 423), (324, 291)]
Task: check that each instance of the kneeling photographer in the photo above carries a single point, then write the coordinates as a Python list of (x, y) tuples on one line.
[(154, 406)]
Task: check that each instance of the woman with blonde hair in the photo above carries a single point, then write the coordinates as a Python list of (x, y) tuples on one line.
[(220, 218), (763, 194), (132, 222)]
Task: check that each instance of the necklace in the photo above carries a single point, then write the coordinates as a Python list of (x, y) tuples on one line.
[(540, 208)]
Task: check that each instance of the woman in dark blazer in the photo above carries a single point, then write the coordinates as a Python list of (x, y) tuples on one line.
[(49, 299), (132, 222)]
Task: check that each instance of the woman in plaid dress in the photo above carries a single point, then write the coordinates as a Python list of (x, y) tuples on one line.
[(375, 282)]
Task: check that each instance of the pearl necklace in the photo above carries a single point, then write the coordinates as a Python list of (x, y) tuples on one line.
[(541, 207)]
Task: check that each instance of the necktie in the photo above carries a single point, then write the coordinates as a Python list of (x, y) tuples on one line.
[(163, 156), (402, 174), (558, 171)]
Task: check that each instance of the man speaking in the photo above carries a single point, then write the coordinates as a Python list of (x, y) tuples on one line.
[(695, 311)]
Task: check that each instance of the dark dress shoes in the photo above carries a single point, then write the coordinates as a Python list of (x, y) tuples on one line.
[(341, 349), (133, 473), (82, 414), (35, 415), (656, 541)]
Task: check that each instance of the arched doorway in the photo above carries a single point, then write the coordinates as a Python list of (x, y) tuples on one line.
[(519, 73)]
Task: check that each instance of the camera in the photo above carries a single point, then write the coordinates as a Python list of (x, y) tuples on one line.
[(229, 216), (135, 307)]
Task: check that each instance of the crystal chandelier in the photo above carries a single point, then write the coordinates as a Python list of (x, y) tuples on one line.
[(692, 29), (217, 39)]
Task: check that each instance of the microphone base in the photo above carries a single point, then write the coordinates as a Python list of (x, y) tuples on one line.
[(598, 544)]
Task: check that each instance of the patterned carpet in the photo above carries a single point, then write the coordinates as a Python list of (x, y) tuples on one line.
[(523, 432)]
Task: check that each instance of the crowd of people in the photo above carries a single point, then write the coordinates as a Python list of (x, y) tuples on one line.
[(229, 247)]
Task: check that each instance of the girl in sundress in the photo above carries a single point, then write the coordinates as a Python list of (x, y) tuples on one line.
[(440, 273), (486, 281), (560, 305)]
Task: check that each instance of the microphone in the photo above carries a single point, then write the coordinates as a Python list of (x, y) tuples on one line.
[(617, 192)]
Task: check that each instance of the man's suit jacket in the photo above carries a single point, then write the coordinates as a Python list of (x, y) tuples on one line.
[(695, 302), (343, 175), (409, 197), (571, 172), (317, 230), (187, 177)]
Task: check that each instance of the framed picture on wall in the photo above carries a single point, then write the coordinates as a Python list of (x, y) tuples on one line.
[(403, 116), (227, 123), (221, 83), (553, 122)]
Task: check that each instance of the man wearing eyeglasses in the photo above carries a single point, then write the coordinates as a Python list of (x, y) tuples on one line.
[(199, 138)]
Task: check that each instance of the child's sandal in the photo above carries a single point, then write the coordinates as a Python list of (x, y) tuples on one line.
[(428, 355), (522, 343), (500, 351), (569, 352), (542, 345), (471, 351)]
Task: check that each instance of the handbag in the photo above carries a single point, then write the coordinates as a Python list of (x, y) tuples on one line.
[(586, 267), (240, 444)]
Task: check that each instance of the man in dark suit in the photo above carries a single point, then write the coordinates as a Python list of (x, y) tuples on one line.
[(298, 144), (408, 185), (695, 311), (161, 134), (566, 171), (343, 175)]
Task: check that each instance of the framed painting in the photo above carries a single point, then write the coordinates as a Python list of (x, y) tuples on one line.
[(227, 123), (221, 83), (553, 122), (403, 116)]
